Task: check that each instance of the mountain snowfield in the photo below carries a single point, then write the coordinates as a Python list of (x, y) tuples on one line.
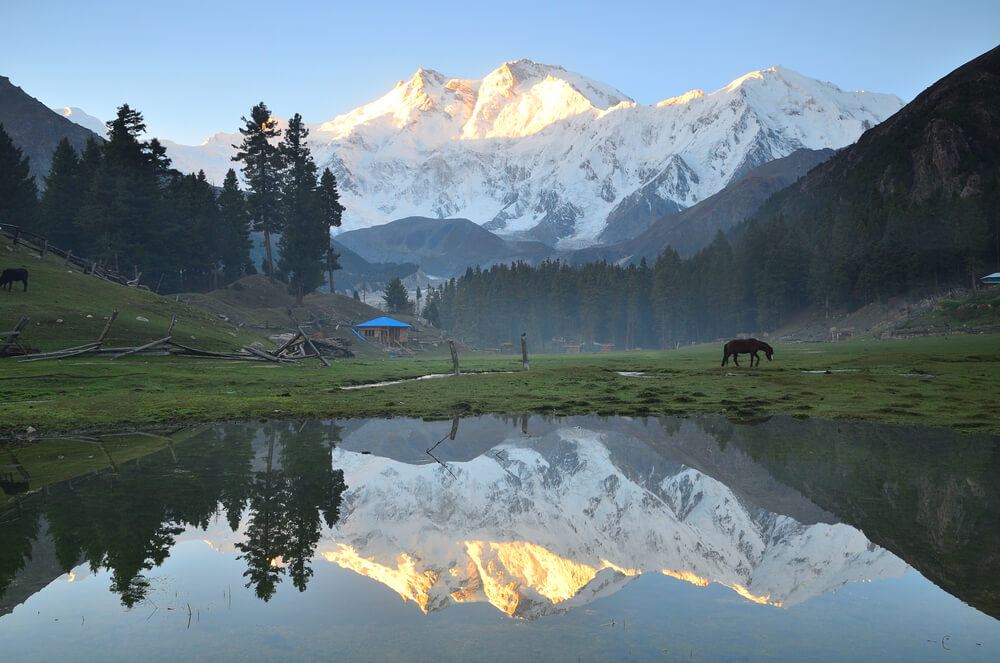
[(535, 151), (539, 526)]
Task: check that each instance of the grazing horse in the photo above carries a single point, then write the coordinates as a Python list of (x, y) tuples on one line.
[(14, 274), (748, 346)]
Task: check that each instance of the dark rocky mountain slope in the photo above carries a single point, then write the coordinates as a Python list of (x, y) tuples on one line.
[(37, 129)]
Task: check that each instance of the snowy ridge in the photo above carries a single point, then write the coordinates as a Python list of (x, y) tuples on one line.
[(86, 121), (534, 151), (541, 526)]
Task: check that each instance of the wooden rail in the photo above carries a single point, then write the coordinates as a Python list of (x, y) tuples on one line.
[(34, 241)]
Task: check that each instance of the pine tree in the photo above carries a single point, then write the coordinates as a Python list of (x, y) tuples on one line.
[(60, 202), (261, 169), (305, 237), (18, 191), (331, 212), (122, 218), (195, 226), (123, 149), (395, 296), (235, 237)]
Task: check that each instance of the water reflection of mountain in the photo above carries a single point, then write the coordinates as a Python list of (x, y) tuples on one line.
[(537, 524), (534, 515), (277, 480)]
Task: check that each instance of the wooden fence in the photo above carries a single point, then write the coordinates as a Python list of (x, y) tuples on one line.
[(36, 242)]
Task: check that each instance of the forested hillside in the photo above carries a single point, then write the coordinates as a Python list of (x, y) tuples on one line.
[(914, 204)]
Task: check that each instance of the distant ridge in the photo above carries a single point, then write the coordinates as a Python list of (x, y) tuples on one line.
[(442, 247)]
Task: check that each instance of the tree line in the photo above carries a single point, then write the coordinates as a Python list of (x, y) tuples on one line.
[(754, 280), (120, 203)]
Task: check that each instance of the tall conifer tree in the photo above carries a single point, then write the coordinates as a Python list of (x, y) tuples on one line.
[(305, 236), (63, 195), (236, 244), (18, 191), (331, 212), (261, 169)]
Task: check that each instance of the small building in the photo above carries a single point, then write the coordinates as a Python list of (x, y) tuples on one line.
[(991, 279), (842, 334), (384, 330)]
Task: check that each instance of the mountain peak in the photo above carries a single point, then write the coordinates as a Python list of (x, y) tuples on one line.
[(427, 77), (685, 98)]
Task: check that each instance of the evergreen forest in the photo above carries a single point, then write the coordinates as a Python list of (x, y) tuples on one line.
[(120, 203), (754, 280)]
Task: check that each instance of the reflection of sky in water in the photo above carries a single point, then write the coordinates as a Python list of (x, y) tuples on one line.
[(455, 522)]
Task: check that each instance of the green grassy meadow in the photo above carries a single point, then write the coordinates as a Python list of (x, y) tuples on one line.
[(885, 381), (860, 379)]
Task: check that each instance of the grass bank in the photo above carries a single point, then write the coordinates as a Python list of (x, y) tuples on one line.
[(948, 381)]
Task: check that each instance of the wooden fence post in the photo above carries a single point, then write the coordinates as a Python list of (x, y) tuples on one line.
[(454, 355)]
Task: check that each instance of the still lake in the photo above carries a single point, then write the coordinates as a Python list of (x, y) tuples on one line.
[(507, 539)]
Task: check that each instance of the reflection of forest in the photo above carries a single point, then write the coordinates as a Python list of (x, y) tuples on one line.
[(127, 522), (929, 495)]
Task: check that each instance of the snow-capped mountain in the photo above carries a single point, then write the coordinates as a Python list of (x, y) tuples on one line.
[(532, 151), (535, 151), (77, 116), (537, 526)]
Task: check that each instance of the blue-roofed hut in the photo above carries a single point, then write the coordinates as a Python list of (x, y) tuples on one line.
[(384, 330), (991, 279)]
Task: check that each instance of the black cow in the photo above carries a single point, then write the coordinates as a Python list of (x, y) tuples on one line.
[(14, 274)]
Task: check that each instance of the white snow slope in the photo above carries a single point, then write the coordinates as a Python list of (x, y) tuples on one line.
[(533, 150)]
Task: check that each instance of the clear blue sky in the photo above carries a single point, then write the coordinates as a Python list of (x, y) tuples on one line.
[(194, 68)]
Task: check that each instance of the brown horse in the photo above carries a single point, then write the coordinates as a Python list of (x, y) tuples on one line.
[(748, 346)]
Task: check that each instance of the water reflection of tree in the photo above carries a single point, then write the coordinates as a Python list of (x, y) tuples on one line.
[(286, 505), (128, 522)]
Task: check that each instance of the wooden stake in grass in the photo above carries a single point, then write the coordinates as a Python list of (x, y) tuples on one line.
[(454, 355)]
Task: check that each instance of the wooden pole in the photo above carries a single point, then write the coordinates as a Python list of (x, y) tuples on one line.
[(107, 327), (454, 355), (329, 265), (524, 351)]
